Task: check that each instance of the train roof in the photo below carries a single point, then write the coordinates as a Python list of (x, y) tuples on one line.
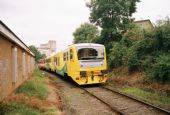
[(87, 44), (5, 31)]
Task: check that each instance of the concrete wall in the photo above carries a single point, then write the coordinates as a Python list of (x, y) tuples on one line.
[(12, 74)]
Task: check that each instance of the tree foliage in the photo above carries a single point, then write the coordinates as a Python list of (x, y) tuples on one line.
[(86, 33), (111, 13), (112, 16), (37, 54)]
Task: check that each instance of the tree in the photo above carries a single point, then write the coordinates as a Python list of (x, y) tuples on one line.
[(112, 16), (86, 33), (37, 54)]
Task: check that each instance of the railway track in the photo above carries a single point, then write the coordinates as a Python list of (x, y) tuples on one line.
[(121, 103), (138, 100), (124, 104)]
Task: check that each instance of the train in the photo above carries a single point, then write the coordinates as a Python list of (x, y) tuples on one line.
[(84, 63)]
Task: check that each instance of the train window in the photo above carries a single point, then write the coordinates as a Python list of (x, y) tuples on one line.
[(48, 60), (14, 64), (71, 54), (87, 54), (67, 55), (64, 56), (55, 60)]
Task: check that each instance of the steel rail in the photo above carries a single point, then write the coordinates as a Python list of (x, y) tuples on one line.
[(138, 100)]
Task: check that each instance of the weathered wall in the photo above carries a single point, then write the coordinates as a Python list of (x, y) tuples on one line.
[(7, 82)]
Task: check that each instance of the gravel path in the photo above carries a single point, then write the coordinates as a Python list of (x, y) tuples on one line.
[(79, 102)]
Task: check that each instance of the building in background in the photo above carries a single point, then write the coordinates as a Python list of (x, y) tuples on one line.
[(144, 24), (48, 48)]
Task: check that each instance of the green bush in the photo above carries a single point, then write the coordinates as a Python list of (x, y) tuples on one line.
[(162, 36), (161, 69), (132, 60), (116, 55)]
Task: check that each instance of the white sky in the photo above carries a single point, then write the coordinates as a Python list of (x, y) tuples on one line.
[(37, 21)]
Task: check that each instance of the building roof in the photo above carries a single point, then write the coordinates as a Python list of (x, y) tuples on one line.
[(5, 31), (142, 21)]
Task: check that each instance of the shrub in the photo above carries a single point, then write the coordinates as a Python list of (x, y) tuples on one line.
[(116, 55), (162, 36), (161, 69), (132, 60)]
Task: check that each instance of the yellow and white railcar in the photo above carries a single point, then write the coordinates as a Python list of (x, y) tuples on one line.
[(85, 63)]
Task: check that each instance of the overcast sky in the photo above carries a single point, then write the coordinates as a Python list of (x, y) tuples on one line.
[(37, 21)]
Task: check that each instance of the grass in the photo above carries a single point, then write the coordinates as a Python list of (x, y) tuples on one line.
[(21, 108), (35, 87), (161, 100), (4, 107)]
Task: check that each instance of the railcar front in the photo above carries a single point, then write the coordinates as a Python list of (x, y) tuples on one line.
[(89, 64)]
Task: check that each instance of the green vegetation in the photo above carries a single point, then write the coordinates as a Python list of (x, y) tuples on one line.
[(127, 44), (149, 53), (37, 54), (86, 33), (113, 16), (162, 100), (4, 108), (35, 87), (21, 108)]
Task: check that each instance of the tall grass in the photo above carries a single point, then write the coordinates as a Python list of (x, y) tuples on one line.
[(35, 87), (21, 108), (148, 96)]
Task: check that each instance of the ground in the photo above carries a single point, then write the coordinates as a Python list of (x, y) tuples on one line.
[(63, 98), (135, 83), (51, 105)]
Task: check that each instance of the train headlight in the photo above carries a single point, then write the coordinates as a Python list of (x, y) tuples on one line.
[(83, 73)]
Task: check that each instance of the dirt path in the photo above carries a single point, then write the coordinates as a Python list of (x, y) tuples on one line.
[(54, 97)]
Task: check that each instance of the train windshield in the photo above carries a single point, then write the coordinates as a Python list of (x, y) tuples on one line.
[(90, 53)]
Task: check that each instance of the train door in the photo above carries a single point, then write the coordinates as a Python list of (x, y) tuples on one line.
[(70, 62), (52, 64)]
